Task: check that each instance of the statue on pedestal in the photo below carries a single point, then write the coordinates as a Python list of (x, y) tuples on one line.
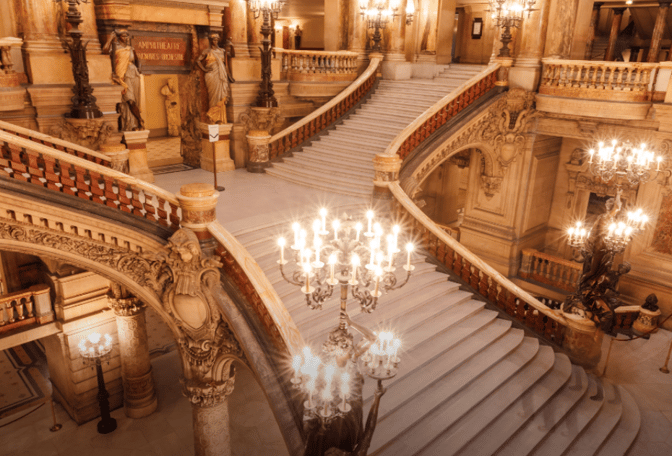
[(126, 73), (213, 63), (172, 108)]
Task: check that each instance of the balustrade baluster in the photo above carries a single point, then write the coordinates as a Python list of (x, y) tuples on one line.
[(4, 318), (510, 303), (466, 270), (11, 305), (475, 278)]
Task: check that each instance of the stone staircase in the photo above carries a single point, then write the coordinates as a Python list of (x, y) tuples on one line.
[(341, 161), (469, 383)]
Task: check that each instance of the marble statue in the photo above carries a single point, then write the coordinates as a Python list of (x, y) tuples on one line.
[(126, 73), (172, 107), (213, 63)]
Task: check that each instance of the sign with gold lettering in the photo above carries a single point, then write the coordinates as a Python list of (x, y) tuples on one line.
[(162, 54)]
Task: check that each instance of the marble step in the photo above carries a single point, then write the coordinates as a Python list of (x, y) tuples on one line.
[(348, 190), (564, 433), (601, 426), (334, 147), (447, 360), (507, 423), (355, 143), (363, 129), (301, 161), (338, 160), (383, 106), (385, 117), (545, 420), (375, 136), (439, 414), (326, 153), (476, 420), (626, 430)]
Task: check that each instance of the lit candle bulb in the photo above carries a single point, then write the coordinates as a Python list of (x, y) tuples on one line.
[(323, 214), (296, 365), (379, 274), (659, 159), (409, 249), (395, 231), (306, 269), (372, 248), (345, 390), (591, 152), (570, 233), (358, 228), (355, 264), (296, 227), (316, 227), (281, 243), (336, 224), (643, 222), (317, 245), (369, 216), (310, 386)]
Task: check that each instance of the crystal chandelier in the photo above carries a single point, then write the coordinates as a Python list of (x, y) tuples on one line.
[(625, 162), (509, 14), (365, 262)]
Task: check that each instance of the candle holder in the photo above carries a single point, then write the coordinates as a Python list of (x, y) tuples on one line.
[(366, 263), (95, 348)]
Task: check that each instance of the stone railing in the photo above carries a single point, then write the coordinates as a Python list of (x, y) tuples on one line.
[(326, 115), (444, 110), (482, 277), (59, 144), (549, 270), (320, 65), (25, 307), (27, 161), (609, 81)]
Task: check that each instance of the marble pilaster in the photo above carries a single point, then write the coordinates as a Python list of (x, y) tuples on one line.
[(613, 33), (594, 21), (136, 369), (236, 22), (658, 28), (526, 71), (254, 33), (357, 37), (394, 37), (561, 29)]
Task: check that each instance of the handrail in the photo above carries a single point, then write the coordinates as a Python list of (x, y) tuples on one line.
[(96, 157), (322, 53), (44, 166), (319, 119), (282, 320), (467, 260), (437, 115), (601, 62)]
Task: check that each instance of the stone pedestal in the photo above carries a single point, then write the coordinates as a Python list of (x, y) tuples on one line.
[(118, 155), (583, 341), (11, 92), (386, 169), (258, 160), (216, 155), (647, 321), (503, 72), (198, 203), (136, 369), (210, 412), (136, 141)]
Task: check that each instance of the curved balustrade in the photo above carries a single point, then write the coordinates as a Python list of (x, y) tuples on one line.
[(444, 110), (612, 81), (482, 277), (320, 65), (549, 270), (21, 308), (45, 167), (58, 144), (321, 118)]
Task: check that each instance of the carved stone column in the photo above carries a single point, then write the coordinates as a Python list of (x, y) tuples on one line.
[(527, 69), (254, 33), (594, 21), (136, 142), (561, 29), (236, 21), (394, 37), (136, 369), (613, 34), (658, 29), (357, 32), (210, 412)]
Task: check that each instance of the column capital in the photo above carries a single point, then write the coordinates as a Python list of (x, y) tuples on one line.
[(619, 11), (208, 394), (597, 5), (125, 307)]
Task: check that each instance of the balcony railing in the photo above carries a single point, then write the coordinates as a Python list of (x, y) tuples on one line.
[(25, 308), (549, 270), (320, 65), (28, 161), (612, 81)]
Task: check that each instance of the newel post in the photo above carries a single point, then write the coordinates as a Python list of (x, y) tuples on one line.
[(198, 203), (583, 340), (386, 169)]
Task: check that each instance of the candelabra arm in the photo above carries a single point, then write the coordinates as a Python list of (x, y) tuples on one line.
[(294, 281), (367, 333), (396, 286)]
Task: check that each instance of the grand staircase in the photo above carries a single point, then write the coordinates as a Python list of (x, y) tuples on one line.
[(341, 160), (469, 382)]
